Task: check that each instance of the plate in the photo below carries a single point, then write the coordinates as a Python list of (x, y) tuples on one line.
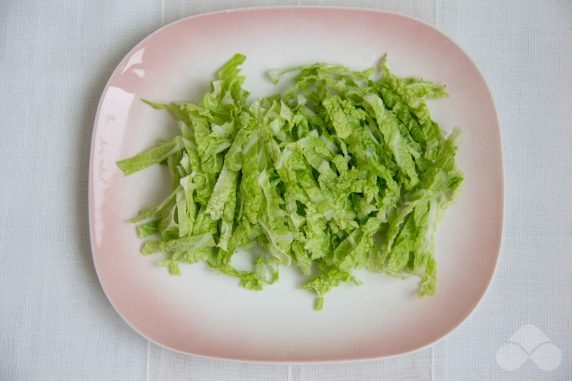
[(206, 314)]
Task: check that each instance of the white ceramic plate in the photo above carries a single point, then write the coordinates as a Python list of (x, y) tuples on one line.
[(206, 314)]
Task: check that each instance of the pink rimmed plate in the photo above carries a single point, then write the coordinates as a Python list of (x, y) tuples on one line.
[(206, 314)]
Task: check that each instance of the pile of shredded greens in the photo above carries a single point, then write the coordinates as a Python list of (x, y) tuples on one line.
[(343, 171)]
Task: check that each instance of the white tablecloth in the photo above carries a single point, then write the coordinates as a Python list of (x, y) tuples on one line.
[(55, 322)]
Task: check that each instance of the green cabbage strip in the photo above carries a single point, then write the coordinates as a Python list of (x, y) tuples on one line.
[(345, 170)]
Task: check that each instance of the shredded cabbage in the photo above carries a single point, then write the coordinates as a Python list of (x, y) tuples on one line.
[(345, 170)]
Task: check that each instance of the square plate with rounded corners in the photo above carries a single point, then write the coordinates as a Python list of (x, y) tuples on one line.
[(206, 314)]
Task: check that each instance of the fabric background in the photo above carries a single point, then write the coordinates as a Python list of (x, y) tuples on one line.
[(55, 322)]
